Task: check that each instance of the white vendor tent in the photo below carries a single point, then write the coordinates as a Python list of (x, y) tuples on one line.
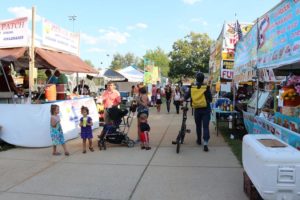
[(132, 74)]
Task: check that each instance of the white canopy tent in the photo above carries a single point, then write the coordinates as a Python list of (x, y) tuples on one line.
[(132, 74)]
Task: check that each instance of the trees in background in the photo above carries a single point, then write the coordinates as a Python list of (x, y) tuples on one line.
[(89, 63), (119, 61), (190, 55), (160, 59)]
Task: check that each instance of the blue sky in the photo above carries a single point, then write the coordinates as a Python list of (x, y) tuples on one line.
[(111, 26)]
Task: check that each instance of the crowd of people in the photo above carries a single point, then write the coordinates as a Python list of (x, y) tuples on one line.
[(111, 98)]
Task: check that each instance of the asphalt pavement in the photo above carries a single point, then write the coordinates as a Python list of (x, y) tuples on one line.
[(122, 173)]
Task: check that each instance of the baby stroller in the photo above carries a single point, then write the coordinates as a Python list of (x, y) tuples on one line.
[(116, 132)]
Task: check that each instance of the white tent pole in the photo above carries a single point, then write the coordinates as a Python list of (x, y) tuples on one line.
[(31, 52)]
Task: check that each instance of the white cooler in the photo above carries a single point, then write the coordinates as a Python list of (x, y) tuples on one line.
[(273, 166)]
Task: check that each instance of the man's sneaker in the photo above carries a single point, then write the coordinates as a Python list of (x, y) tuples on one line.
[(205, 148)]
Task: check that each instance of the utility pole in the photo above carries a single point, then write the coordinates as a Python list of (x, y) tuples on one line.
[(72, 18)]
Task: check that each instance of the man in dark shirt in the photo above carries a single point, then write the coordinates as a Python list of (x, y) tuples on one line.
[(82, 89)]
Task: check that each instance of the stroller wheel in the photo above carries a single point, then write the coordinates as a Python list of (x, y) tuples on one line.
[(101, 144), (130, 143), (126, 139)]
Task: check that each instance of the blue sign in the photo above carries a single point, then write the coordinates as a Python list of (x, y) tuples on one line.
[(279, 35)]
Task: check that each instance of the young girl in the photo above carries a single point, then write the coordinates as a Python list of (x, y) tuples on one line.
[(158, 99), (144, 135), (86, 124), (56, 132)]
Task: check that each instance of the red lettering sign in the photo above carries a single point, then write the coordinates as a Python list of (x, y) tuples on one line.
[(227, 74)]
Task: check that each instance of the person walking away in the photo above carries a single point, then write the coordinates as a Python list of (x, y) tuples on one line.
[(132, 91), (153, 95), (86, 124), (142, 108), (158, 99), (145, 129), (168, 95), (177, 98), (201, 98), (56, 131)]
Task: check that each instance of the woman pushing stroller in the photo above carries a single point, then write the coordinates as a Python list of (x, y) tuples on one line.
[(111, 98), (113, 116)]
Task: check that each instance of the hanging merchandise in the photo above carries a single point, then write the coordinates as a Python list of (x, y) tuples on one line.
[(218, 86), (291, 92)]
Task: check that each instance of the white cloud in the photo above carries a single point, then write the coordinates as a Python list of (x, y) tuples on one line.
[(89, 39), (191, 2), (23, 12), (107, 36), (199, 20), (115, 37), (137, 26), (141, 25), (96, 50)]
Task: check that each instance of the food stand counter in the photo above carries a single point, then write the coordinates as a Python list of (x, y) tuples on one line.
[(28, 125)]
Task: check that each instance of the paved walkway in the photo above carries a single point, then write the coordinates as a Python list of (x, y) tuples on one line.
[(126, 173)]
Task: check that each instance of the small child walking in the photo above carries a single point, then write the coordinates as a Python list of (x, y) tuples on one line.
[(86, 124), (158, 99), (56, 131), (144, 134)]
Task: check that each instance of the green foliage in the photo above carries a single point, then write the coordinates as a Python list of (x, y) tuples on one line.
[(41, 76), (89, 63), (190, 55), (160, 59), (119, 61)]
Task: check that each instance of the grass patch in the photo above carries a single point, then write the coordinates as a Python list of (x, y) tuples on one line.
[(234, 144)]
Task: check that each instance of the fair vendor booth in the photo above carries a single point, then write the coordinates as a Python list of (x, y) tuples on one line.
[(28, 124), (24, 118), (221, 74), (272, 147)]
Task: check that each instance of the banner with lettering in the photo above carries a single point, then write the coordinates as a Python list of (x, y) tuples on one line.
[(279, 35), (14, 33), (59, 38), (227, 74), (248, 121), (264, 126), (246, 55)]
